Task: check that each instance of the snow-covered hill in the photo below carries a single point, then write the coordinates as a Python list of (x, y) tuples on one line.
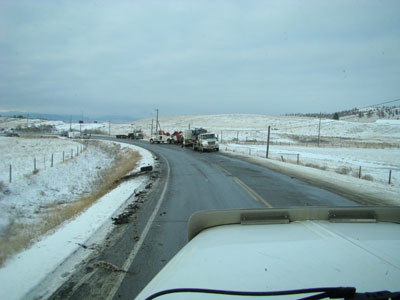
[(285, 128)]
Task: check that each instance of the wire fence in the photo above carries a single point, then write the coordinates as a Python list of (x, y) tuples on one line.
[(39, 162), (259, 137), (381, 173)]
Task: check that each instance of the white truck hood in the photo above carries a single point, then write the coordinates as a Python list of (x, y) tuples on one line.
[(296, 255)]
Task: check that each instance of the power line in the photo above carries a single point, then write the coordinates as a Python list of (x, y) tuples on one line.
[(348, 116), (391, 101)]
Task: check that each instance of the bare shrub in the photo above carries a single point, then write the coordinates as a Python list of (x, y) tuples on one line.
[(368, 177), (35, 171), (3, 187), (343, 170), (315, 166)]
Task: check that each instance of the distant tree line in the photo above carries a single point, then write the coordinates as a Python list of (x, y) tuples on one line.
[(380, 112)]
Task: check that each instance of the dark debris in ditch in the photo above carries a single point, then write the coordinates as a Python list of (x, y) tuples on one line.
[(143, 171), (126, 216)]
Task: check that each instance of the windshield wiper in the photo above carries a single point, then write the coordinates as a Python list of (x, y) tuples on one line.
[(348, 293)]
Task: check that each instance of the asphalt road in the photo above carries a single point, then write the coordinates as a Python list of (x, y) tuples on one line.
[(186, 182)]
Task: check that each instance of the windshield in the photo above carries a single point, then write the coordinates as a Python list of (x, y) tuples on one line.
[(208, 136), (106, 108)]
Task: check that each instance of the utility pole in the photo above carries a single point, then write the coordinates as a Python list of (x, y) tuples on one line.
[(152, 121), (70, 123), (157, 122), (269, 131), (109, 128), (319, 129)]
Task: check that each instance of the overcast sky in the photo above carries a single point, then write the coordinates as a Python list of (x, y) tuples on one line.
[(197, 57)]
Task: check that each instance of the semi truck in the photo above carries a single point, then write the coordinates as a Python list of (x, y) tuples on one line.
[(200, 139), (206, 142), (190, 136), (136, 135)]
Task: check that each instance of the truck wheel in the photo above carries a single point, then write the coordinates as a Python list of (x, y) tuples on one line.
[(201, 149)]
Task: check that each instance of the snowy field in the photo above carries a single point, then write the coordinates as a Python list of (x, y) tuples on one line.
[(50, 257), (31, 193), (376, 164)]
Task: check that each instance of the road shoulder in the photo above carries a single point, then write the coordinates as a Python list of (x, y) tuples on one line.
[(358, 190)]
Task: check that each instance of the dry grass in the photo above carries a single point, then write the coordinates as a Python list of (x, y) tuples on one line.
[(19, 236), (344, 170), (367, 177), (316, 166)]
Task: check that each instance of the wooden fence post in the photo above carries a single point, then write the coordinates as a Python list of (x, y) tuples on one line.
[(63, 155), (10, 173), (269, 131), (34, 164), (298, 158), (52, 160), (359, 173), (390, 176)]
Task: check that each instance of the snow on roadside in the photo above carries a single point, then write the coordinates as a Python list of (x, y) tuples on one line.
[(374, 192), (29, 195), (376, 163), (26, 270), (21, 152)]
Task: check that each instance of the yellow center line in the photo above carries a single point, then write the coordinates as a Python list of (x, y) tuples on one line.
[(251, 192), (248, 189)]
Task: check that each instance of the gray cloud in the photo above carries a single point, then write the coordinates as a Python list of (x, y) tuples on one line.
[(106, 57)]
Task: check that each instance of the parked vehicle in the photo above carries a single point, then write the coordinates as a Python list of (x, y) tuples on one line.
[(200, 139), (121, 136), (161, 137), (12, 134), (206, 142), (136, 135), (190, 136), (84, 136), (73, 134), (177, 137)]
